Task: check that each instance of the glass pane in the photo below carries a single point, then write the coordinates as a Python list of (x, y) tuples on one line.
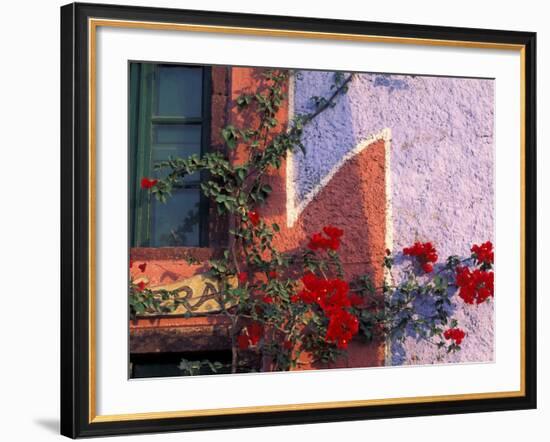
[(176, 140), (185, 134), (176, 223), (179, 91)]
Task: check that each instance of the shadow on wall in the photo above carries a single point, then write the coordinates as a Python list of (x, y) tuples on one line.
[(327, 138), (424, 306)]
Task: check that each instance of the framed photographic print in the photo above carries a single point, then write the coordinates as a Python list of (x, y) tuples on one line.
[(279, 220)]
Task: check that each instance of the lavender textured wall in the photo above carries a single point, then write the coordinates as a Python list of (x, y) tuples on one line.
[(441, 172)]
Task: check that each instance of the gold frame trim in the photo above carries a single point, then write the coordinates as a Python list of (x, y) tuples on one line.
[(93, 24)]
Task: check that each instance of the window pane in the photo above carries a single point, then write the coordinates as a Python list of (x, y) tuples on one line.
[(176, 223), (176, 140), (179, 91), (184, 134)]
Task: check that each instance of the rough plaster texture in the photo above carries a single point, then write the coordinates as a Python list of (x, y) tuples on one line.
[(441, 171)]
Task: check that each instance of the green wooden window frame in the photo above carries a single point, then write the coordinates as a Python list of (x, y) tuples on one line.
[(148, 129)]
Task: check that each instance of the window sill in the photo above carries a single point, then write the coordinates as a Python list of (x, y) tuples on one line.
[(178, 334)]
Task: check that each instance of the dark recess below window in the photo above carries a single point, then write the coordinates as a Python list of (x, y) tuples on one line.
[(166, 364)]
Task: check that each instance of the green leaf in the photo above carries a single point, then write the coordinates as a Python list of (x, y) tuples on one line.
[(229, 134)]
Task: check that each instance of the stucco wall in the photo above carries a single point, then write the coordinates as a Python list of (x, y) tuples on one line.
[(441, 172)]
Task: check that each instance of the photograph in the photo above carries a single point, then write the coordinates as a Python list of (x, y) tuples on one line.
[(292, 219)]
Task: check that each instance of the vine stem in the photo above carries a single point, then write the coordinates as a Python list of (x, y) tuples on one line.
[(329, 101)]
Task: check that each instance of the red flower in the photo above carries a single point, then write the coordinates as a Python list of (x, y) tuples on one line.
[(320, 242), (287, 345), (336, 296), (147, 183), (427, 267), (255, 331), (142, 267), (141, 285), (253, 335), (268, 299), (475, 286), (272, 274), (254, 217), (242, 277), (329, 294), (483, 253), (334, 243), (341, 328), (243, 342), (424, 252), (333, 232), (456, 334)]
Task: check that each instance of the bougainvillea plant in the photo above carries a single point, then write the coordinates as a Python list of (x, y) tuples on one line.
[(280, 305)]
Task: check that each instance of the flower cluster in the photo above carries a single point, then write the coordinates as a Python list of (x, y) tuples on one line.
[(476, 286), (331, 241), (332, 296), (254, 332), (425, 253), (456, 334), (342, 327), (483, 253), (147, 183)]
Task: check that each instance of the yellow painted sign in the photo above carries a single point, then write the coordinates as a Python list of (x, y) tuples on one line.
[(197, 294)]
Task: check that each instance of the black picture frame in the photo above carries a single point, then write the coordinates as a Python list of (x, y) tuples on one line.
[(75, 219)]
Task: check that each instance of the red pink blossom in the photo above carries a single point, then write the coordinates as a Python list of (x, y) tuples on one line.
[(331, 241), (332, 296), (147, 183), (483, 253), (254, 217), (425, 253), (341, 328), (475, 286), (254, 332), (456, 334)]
